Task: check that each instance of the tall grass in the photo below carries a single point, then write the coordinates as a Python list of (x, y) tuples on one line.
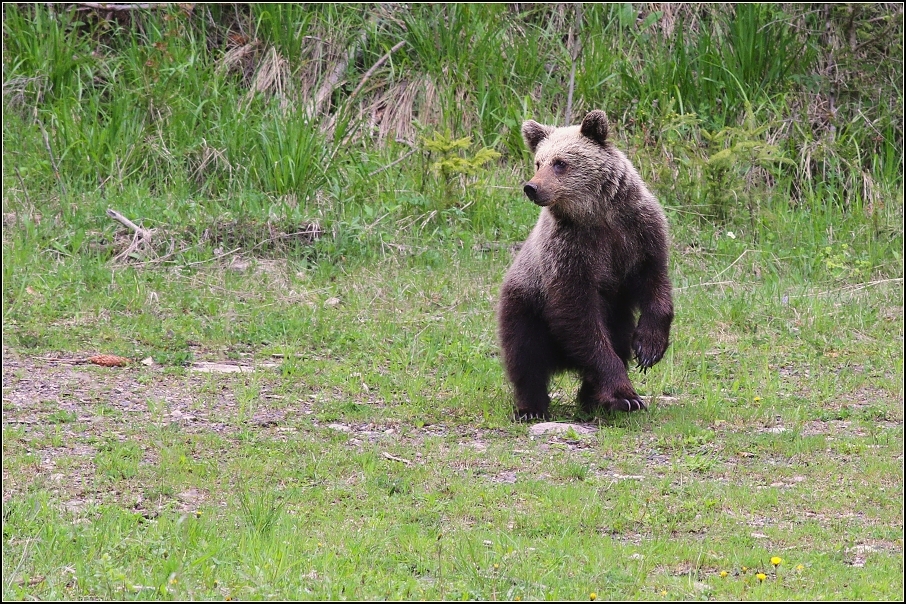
[(735, 113)]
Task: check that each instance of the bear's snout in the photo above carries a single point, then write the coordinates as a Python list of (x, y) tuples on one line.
[(535, 194)]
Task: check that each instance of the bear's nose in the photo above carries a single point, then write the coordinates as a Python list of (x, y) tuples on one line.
[(531, 191)]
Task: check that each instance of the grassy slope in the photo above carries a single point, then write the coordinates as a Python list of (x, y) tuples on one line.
[(374, 456)]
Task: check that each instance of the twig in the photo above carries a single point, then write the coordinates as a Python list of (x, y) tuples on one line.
[(375, 67), (732, 264), (312, 230), (123, 7), (394, 458), (53, 160), (393, 163), (569, 97), (62, 360), (575, 47), (703, 285), (853, 287), (141, 238), (223, 255), (128, 223), (22, 182)]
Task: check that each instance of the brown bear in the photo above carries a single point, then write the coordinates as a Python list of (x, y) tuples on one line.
[(596, 260)]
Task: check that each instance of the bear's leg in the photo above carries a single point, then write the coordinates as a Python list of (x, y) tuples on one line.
[(620, 324), (529, 357), (579, 317), (607, 385), (654, 295), (613, 397)]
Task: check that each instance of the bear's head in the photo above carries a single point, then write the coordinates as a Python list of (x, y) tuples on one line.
[(570, 162)]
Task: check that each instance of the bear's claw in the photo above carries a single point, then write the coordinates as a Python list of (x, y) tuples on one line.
[(629, 404), (530, 416)]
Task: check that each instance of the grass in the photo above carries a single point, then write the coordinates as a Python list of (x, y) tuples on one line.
[(366, 450)]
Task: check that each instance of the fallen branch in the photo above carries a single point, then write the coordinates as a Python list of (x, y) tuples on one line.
[(393, 163), (128, 223), (375, 67), (141, 240), (53, 160), (703, 285), (394, 458), (574, 44), (125, 7), (852, 287)]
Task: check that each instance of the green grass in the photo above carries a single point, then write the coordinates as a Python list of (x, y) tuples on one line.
[(368, 452)]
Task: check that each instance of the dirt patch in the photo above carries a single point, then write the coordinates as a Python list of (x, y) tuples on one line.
[(39, 393), (65, 415)]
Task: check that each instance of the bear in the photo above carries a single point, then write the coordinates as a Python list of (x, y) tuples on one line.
[(589, 288)]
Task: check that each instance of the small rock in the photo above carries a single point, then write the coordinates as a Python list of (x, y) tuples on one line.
[(560, 428), (861, 549)]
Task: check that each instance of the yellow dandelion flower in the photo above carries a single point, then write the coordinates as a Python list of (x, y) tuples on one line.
[(776, 560), (744, 569), (724, 573), (761, 576), (800, 567), (757, 399), (496, 566), (593, 596)]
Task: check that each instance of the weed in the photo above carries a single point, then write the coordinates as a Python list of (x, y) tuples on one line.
[(261, 510)]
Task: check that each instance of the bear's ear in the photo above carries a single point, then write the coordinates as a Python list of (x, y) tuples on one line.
[(594, 126), (533, 133)]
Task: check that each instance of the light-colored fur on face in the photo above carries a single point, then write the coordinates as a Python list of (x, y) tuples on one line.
[(582, 179), (580, 175)]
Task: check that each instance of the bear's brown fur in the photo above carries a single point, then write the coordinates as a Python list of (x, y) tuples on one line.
[(596, 259)]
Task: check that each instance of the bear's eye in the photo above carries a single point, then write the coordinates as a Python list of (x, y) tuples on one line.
[(559, 166), (537, 165)]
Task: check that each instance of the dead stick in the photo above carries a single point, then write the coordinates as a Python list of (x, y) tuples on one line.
[(53, 160), (395, 458), (393, 163), (142, 233), (22, 182), (375, 67), (123, 7)]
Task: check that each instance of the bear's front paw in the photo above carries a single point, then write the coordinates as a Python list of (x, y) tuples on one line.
[(649, 347), (622, 398), (629, 403)]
